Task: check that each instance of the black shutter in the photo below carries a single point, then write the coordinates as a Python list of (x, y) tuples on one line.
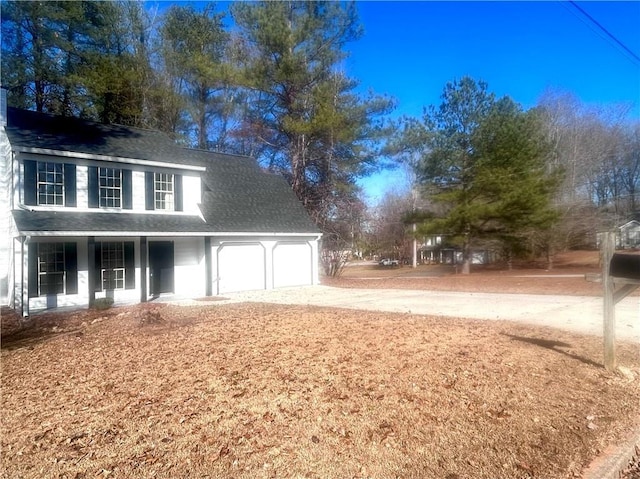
[(98, 266), (177, 180), (149, 196), (94, 191), (127, 193), (129, 266), (71, 267), (30, 182), (70, 185), (32, 283)]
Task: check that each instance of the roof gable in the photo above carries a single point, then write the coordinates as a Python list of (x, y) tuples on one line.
[(631, 224)]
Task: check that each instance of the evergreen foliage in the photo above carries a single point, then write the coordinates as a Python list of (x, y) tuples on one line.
[(267, 80), (486, 164)]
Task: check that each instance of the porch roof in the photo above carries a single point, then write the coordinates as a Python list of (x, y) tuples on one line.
[(55, 223)]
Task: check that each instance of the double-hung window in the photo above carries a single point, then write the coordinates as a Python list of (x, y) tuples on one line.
[(51, 268), (50, 183), (110, 187), (163, 191), (112, 265)]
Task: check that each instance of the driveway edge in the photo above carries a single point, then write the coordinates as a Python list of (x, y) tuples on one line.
[(613, 459)]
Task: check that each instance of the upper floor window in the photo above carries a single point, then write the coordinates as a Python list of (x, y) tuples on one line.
[(163, 191), (50, 183), (110, 183), (109, 187)]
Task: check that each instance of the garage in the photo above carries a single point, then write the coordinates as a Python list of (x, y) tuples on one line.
[(241, 267), (292, 264)]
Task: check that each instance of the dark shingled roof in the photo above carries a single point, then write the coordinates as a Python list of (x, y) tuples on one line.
[(267, 204), (238, 196), (68, 221), (40, 130)]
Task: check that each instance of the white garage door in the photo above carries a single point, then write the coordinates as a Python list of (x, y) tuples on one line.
[(241, 267), (292, 264)]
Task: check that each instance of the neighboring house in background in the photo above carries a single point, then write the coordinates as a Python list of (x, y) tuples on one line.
[(629, 235), (90, 210)]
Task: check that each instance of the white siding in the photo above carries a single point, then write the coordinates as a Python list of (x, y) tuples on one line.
[(138, 187), (6, 220), (191, 188), (82, 186), (189, 274)]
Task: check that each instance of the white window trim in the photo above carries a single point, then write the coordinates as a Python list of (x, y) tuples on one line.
[(109, 188), (117, 269), (168, 205), (38, 183)]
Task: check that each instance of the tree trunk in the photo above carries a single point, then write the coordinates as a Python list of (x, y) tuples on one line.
[(466, 256)]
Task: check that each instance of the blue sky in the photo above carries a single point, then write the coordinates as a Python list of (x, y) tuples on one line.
[(410, 50)]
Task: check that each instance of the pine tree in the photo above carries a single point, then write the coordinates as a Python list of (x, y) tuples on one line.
[(485, 166), (315, 130)]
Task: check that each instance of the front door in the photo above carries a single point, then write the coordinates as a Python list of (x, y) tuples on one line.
[(161, 267)]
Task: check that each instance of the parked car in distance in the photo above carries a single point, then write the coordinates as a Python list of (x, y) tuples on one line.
[(389, 262)]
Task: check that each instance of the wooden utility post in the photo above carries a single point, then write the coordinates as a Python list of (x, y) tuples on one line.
[(620, 277), (609, 311), (414, 247)]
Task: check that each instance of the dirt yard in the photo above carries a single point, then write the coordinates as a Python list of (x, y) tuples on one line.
[(566, 277), (266, 391)]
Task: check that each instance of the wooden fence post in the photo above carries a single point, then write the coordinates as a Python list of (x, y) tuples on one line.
[(608, 286)]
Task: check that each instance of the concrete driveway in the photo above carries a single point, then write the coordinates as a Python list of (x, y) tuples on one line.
[(581, 314)]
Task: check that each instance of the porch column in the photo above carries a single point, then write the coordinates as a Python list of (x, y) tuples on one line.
[(24, 276), (91, 269), (143, 269), (208, 277)]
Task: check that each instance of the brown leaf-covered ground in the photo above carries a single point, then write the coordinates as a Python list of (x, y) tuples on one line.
[(261, 391), (566, 277)]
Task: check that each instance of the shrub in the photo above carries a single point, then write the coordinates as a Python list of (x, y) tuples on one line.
[(103, 303)]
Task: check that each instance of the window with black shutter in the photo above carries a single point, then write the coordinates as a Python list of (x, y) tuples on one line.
[(71, 268), (53, 269), (115, 265), (163, 191), (30, 182), (149, 190), (70, 185), (127, 190), (94, 192), (48, 183), (179, 193)]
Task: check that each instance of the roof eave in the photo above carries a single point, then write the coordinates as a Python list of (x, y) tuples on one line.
[(41, 233), (115, 159)]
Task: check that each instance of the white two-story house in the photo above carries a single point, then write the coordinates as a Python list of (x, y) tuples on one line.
[(90, 210)]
